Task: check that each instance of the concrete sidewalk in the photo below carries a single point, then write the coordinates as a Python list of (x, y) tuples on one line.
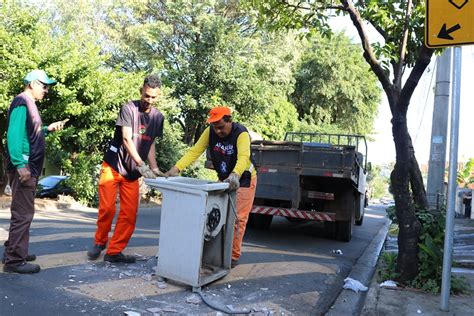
[(385, 301)]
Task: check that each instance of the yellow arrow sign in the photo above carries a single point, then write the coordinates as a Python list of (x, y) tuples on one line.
[(449, 23)]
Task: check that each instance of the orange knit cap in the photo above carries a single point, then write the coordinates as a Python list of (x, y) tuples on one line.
[(217, 113)]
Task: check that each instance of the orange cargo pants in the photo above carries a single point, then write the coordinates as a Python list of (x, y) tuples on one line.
[(109, 182), (244, 205)]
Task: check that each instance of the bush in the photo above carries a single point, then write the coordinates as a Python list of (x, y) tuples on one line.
[(430, 255)]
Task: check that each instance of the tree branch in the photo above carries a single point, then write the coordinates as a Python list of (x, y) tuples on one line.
[(368, 52), (423, 60), (398, 71)]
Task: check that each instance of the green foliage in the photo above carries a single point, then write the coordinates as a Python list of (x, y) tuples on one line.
[(387, 267), (208, 55), (88, 93), (388, 17), (378, 184), (465, 176), (330, 92), (430, 256), (391, 214)]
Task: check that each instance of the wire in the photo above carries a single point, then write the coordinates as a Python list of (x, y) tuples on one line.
[(426, 101), (218, 307)]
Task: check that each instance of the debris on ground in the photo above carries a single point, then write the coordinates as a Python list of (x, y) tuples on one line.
[(388, 283), (354, 285), (337, 251), (131, 313), (193, 299)]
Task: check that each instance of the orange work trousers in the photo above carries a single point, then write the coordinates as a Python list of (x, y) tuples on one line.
[(110, 182), (244, 205)]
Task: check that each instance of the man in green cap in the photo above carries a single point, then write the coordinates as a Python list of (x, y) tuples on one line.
[(25, 154)]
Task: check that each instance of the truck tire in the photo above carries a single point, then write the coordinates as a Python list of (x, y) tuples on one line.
[(261, 221), (360, 208), (330, 229), (344, 230)]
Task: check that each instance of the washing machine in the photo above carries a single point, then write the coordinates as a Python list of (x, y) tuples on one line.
[(196, 229)]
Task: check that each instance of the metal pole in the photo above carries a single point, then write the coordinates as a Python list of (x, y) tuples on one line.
[(439, 130), (453, 168)]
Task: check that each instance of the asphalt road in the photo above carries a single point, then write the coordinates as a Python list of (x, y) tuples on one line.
[(289, 269)]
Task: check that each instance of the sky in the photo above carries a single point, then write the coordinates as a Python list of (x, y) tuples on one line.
[(382, 149)]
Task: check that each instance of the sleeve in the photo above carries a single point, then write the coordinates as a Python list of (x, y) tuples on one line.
[(125, 118), (16, 135), (194, 152), (159, 133), (243, 153)]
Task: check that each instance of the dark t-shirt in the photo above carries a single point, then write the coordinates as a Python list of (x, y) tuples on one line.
[(145, 128)]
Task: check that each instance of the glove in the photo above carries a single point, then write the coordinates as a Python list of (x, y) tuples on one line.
[(233, 180), (145, 171), (173, 172), (158, 172)]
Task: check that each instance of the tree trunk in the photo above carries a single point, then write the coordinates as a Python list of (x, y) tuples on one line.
[(416, 182), (409, 226)]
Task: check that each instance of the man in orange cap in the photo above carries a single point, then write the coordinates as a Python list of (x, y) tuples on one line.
[(229, 145)]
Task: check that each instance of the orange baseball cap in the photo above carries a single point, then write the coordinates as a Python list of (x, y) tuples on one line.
[(217, 113)]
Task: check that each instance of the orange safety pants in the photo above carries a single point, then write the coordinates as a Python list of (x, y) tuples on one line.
[(110, 180), (244, 205)]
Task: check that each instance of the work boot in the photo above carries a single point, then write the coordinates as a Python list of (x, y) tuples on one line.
[(22, 268), (120, 257), (234, 263), (94, 252), (28, 258)]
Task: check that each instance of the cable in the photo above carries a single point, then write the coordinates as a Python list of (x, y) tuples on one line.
[(426, 101), (217, 307)]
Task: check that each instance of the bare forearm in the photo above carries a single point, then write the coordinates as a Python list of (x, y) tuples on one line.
[(132, 151), (152, 158)]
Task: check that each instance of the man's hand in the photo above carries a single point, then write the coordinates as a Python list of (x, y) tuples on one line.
[(57, 126), (173, 172), (158, 172), (24, 173), (145, 171), (233, 180)]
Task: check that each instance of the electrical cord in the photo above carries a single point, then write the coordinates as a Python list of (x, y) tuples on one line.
[(217, 307)]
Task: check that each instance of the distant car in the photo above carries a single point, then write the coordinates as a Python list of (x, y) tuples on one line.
[(52, 186)]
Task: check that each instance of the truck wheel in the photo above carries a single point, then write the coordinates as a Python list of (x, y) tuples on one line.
[(344, 230), (360, 221), (359, 208), (330, 229), (262, 221)]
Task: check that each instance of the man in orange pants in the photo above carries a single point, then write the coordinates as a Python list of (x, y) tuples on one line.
[(229, 144), (137, 126)]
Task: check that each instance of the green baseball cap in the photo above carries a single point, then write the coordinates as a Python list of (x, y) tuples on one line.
[(39, 75)]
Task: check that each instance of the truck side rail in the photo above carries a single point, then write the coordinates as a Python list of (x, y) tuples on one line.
[(326, 139)]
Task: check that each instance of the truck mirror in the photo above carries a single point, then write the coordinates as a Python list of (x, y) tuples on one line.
[(369, 166)]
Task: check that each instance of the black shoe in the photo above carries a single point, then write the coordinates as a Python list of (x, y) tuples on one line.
[(94, 252), (120, 257), (23, 268), (234, 263), (28, 258)]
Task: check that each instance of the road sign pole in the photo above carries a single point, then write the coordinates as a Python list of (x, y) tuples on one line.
[(453, 167)]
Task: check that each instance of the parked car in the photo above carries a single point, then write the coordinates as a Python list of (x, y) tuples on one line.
[(52, 186)]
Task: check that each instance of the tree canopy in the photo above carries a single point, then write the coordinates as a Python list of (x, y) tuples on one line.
[(207, 53)]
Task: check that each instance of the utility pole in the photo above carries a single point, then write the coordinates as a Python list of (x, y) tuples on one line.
[(439, 129)]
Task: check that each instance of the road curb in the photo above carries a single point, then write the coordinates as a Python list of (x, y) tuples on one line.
[(349, 302)]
